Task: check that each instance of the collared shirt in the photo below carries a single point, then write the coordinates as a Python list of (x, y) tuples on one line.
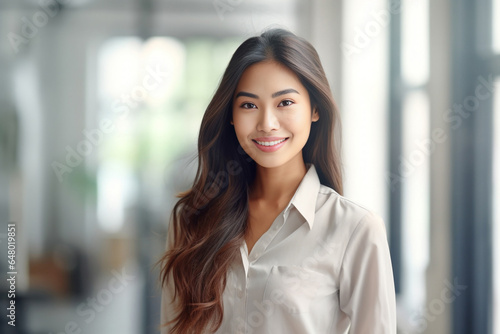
[(323, 267)]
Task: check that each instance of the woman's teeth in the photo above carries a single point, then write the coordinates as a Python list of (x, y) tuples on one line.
[(270, 143)]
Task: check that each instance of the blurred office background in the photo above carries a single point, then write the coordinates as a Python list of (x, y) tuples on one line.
[(100, 106)]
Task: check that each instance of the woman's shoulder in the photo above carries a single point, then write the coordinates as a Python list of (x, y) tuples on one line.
[(347, 212)]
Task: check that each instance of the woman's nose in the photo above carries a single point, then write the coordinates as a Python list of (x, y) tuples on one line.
[(268, 120)]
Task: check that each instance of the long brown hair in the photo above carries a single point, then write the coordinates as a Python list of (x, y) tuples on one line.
[(210, 219)]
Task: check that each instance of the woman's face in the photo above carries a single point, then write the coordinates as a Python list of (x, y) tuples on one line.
[(272, 114)]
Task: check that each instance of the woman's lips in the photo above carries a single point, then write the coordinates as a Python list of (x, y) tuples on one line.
[(269, 138), (270, 144)]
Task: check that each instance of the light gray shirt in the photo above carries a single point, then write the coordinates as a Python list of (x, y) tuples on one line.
[(322, 267)]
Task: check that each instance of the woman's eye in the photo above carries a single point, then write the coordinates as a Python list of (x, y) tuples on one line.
[(285, 103), (248, 105)]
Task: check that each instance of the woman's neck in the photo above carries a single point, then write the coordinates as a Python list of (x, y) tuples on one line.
[(277, 185)]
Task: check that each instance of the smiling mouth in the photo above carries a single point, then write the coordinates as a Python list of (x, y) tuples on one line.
[(270, 143)]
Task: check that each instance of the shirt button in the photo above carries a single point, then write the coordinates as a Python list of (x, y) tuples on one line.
[(240, 293)]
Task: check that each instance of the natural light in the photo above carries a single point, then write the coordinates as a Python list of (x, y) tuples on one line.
[(496, 209), (496, 26), (364, 107), (135, 79)]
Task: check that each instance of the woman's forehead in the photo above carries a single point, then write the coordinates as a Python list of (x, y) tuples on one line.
[(267, 78)]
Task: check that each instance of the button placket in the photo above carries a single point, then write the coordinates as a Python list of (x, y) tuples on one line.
[(273, 230), (240, 292), (240, 307)]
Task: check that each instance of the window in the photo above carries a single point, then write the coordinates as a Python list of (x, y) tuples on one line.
[(415, 157), (496, 174), (152, 95), (496, 26)]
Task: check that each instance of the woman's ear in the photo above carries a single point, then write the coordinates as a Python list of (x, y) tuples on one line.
[(315, 115)]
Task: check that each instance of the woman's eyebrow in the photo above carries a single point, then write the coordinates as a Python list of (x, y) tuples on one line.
[(285, 91), (246, 94), (281, 92)]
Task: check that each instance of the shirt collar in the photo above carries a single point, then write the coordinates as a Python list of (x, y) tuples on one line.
[(304, 199)]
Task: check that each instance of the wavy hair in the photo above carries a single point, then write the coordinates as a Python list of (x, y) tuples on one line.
[(210, 220)]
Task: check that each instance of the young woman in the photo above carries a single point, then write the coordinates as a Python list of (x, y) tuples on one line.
[(264, 241)]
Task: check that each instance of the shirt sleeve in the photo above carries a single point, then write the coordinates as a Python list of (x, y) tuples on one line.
[(367, 293), (168, 307)]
